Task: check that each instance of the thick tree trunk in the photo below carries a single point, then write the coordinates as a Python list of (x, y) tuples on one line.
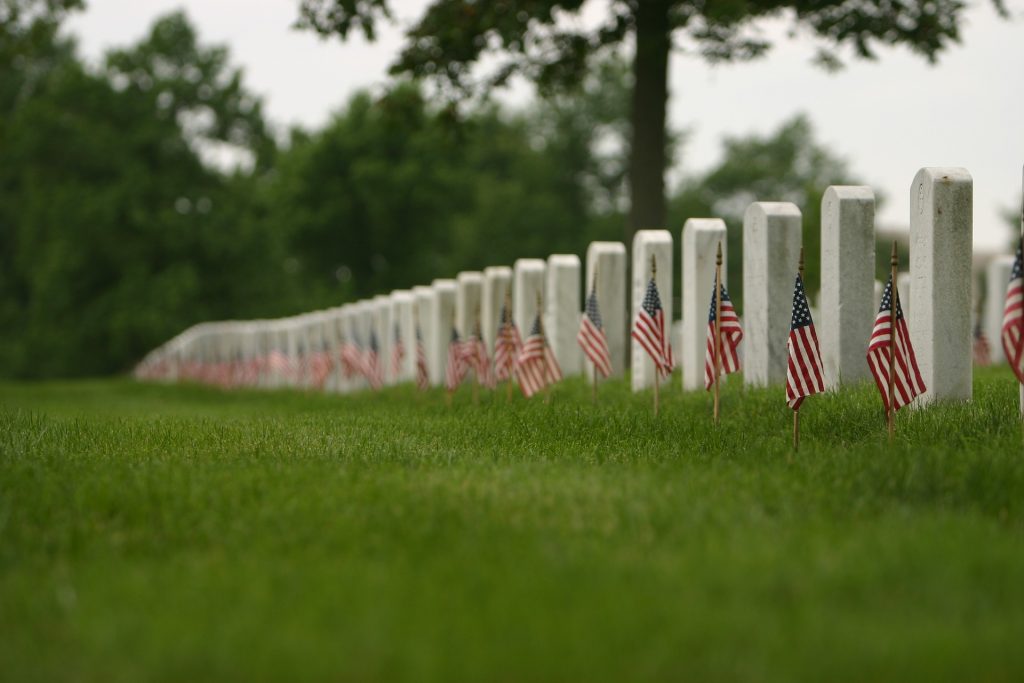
[(650, 97)]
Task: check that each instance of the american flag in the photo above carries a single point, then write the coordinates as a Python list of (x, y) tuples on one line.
[(371, 363), (592, 338), (422, 376), (507, 346), (455, 368), (908, 381), (474, 351), (397, 352), (804, 375), (982, 352), (649, 331), (731, 335), (1013, 319), (536, 366), (351, 359)]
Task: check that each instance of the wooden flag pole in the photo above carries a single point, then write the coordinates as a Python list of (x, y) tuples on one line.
[(717, 347), (451, 389), (657, 371), (1020, 387), (544, 347), (593, 386), (796, 413), (504, 325), (894, 262)]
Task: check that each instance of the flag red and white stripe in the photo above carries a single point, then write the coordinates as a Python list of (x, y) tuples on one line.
[(649, 331), (455, 367), (804, 375), (422, 375), (536, 366), (591, 336), (908, 382), (507, 346), (474, 352), (731, 335), (1013, 319), (982, 350)]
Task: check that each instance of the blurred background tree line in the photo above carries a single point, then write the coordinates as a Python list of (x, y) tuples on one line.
[(149, 192)]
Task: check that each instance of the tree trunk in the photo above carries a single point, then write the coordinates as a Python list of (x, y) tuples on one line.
[(650, 97)]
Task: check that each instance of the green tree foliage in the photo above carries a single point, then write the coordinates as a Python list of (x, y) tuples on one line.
[(113, 233), (538, 39), (787, 165)]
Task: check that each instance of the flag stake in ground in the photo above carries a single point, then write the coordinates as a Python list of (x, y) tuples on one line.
[(805, 375), (544, 338), (649, 332), (657, 373), (890, 355), (512, 372), (718, 325), (592, 339), (894, 262)]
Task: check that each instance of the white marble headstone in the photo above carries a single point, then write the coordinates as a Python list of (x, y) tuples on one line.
[(648, 243), (528, 282), (497, 283), (442, 320), (426, 304), (562, 315), (941, 233), (771, 255), (997, 277), (608, 261), (847, 311), (701, 237)]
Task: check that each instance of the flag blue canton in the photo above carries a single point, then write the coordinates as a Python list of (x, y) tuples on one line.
[(725, 299), (535, 330), (593, 312), (652, 302), (398, 333), (886, 304), (801, 311), (373, 341)]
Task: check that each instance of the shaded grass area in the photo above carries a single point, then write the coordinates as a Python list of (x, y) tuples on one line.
[(170, 533)]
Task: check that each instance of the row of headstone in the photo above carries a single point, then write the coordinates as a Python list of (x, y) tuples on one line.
[(307, 350)]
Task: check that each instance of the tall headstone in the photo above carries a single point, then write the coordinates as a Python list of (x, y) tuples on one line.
[(426, 304), (442, 319), (771, 254), (468, 295), (941, 234), (997, 277), (847, 311), (647, 243), (701, 237), (402, 302), (608, 261), (528, 282), (562, 315), (382, 326), (363, 326), (497, 282), (903, 287)]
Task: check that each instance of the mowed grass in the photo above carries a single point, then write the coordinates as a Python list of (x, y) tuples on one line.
[(182, 533)]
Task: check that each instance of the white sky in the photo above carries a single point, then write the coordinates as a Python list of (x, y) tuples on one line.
[(888, 118)]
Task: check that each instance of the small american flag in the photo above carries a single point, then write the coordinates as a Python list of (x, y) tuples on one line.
[(804, 375), (908, 382), (397, 352), (731, 335), (1013, 319), (507, 346), (455, 368), (371, 363), (592, 338), (982, 352), (422, 376), (536, 366), (351, 359), (475, 352), (649, 331)]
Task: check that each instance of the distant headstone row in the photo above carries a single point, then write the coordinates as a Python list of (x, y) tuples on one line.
[(406, 336)]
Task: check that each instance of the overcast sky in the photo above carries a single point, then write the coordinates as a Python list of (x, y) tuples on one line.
[(888, 118)]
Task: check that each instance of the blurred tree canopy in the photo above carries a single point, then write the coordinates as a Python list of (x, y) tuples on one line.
[(547, 41), (149, 192)]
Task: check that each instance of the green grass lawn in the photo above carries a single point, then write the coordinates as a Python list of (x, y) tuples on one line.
[(180, 533)]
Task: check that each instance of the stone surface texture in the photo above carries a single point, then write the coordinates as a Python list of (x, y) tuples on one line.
[(941, 234), (608, 261), (647, 243), (846, 303), (562, 311), (425, 304), (497, 284), (771, 252), (528, 282), (442, 318), (700, 240)]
